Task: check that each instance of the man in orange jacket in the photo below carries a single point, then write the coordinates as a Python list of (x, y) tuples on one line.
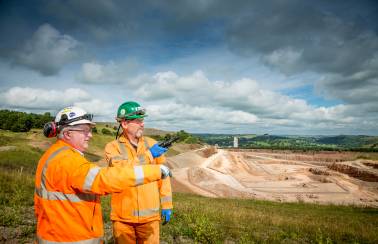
[(135, 211), (67, 186)]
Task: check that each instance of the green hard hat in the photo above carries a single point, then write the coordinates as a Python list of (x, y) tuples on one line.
[(130, 110)]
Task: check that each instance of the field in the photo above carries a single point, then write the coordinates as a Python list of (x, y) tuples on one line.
[(196, 219)]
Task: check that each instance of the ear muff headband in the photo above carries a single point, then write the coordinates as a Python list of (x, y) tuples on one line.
[(50, 129)]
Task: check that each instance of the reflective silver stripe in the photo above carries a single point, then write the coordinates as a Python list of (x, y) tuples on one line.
[(141, 159), (119, 157), (55, 195), (89, 241), (139, 175), (123, 152), (146, 144), (43, 174), (147, 148), (122, 148), (166, 199), (145, 212), (92, 173)]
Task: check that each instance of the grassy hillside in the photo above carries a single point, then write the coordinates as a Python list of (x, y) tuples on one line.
[(147, 131), (205, 220), (196, 219)]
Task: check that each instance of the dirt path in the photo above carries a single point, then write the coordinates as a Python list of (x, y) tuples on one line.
[(7, 148)]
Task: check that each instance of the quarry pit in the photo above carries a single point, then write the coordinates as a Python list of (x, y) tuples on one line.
[(284, 176)]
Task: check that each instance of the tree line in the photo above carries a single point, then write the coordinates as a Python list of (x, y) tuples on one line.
[(21, 121), (183, 137)]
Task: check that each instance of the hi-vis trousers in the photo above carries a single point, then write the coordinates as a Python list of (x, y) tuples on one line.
[(143, 233)]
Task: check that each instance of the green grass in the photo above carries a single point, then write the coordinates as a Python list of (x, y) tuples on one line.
[(17, 168), (8, 138), (210, 220), (20, 159), (207, 220), (16, 196), (99, 140), (369, 156), (196, 219)]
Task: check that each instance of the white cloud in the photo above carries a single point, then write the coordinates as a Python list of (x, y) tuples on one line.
[(42, 100), (207, 114), (197, 102), (173, 116), (197, 90), (97, 107), (47, 51), (111, 72), (26, 97)]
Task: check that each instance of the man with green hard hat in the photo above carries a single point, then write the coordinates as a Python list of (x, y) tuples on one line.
[(135, 211)]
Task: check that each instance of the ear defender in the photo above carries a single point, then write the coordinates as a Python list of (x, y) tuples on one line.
[(50, 129)]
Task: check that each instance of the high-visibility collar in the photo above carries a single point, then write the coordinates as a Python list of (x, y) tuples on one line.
[(136, 152), (63, 143), (124, 139)]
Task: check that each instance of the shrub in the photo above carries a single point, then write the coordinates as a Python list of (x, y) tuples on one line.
[(106, 131), (22, 122)]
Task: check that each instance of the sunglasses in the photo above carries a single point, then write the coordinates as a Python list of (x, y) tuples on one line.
[(138, 112)]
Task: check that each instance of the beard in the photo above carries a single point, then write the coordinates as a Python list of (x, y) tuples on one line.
[(139, 134)]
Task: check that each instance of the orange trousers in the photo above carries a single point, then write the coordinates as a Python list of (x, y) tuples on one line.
[(146, 233)]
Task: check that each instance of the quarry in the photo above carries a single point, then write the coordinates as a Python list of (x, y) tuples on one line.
[(341, 178)]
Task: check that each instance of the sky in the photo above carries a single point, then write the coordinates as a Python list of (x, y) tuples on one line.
[(284, 67)]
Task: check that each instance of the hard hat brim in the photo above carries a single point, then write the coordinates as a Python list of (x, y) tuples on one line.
[(83, 121)]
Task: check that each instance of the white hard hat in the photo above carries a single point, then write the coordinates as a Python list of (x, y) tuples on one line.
[(73, 116)]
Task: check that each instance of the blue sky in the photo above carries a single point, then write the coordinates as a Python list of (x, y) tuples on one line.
[(278, 67)]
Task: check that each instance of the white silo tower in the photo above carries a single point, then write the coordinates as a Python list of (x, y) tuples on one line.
[(236, 142)]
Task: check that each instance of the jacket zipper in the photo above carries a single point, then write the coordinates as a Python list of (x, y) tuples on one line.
[(93, 215), (137, 187)]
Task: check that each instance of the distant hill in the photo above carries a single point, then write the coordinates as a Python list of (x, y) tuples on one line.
[(340, 142), (147, 131), (156, 132), (350, 141)]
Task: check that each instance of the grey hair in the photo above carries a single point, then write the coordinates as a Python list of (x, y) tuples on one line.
[(63, 129)]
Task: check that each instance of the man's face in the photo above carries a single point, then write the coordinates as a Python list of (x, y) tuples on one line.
[(79, 136), (133, 128)]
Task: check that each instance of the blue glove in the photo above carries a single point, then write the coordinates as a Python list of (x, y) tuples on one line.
[(157, 150), (166, 215)]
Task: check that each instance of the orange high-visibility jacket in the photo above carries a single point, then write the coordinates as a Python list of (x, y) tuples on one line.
[(67, 189), (138, 204)]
